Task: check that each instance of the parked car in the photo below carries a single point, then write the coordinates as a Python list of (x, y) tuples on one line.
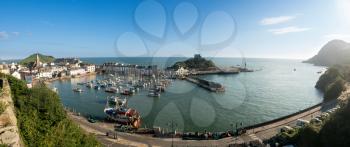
[(302, 123), (315, 120), (286, 129)]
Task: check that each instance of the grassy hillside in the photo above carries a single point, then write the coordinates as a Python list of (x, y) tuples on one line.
[(335, 131), (32, 59), (42, 120), (333, 80), (198, 63)]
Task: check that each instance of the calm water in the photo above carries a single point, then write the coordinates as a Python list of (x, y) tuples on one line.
[(250, 98)]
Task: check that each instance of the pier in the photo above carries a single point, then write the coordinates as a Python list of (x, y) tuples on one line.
[(231, 70), (209, 85)]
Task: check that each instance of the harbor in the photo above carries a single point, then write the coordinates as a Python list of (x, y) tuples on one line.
[(155, 102), (255, 134)]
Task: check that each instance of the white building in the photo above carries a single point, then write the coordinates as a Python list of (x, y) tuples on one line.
[(90, 68), (182, 72), (16, 75), (44, 74), (13, 66), (76, 71)]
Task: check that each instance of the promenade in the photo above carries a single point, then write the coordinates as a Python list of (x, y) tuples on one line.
[(253, 134)]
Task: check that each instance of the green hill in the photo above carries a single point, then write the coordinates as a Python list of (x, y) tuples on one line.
[(197, 63), (32, 59)]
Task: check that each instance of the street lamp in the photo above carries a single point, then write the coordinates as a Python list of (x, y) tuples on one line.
[(232, 128), (172, 125)]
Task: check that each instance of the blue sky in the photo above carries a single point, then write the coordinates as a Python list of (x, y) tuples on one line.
[(111, 28)]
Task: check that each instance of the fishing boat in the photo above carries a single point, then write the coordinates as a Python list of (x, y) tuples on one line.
[(160, 88), (81, 83), (114, 100), (97, 87), (89, 85), (103, 85), (126, 92), (112, 90), (153, 93), (77, 90), (123, 115)]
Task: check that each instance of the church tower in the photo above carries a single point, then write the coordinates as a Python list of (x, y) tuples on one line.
[(37, 61)]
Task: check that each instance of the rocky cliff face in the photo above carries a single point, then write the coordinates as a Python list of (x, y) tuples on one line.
[(9, 133), (334, 52)]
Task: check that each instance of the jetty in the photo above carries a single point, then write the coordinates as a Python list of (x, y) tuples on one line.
[(209, 85), (231, 70)]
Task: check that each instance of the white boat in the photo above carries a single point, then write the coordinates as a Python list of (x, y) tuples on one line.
[(112, 90), (77, 90), (153, 93), (89, 85)]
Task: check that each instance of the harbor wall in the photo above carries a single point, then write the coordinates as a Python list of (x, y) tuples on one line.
[(281, 118), (9, 132), (218, 71), (211, 86)]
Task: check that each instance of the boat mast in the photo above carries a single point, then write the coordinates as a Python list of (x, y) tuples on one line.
[(244, 61)]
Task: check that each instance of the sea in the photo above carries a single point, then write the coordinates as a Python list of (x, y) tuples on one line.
[(277, 88)]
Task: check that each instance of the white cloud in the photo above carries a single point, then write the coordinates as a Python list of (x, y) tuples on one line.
[(291, 29), (48, 23), (345, 37), (15, 33), (276, 20), (3, 35)]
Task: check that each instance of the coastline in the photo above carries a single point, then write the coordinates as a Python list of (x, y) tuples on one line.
[(257, 132), (65, 78)]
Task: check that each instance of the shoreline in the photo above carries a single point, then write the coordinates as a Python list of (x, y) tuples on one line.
[(262, 131), (64, 78)]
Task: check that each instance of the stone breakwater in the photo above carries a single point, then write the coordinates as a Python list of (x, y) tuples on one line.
[(209, 85), (9, 132)]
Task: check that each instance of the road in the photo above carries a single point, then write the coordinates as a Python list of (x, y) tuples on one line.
[(270, 130), (259, 133)]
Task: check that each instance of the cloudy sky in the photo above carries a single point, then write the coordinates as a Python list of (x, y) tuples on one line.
[(225, 28)]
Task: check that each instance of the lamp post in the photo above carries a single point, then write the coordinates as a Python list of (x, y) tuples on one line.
[(232, 128), (172, 125)]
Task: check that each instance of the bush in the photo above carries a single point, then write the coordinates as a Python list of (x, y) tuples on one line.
[(334, 90), (328, 78), (42, 120), (336, 132), (308, 137)]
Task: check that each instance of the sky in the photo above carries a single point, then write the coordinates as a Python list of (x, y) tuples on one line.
[(294, 29)]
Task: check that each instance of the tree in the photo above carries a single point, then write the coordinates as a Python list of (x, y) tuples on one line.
[(334, 90)]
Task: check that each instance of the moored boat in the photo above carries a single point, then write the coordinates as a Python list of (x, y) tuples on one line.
[(112, 90), (77, 90), (123, 115), (97, 87)]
